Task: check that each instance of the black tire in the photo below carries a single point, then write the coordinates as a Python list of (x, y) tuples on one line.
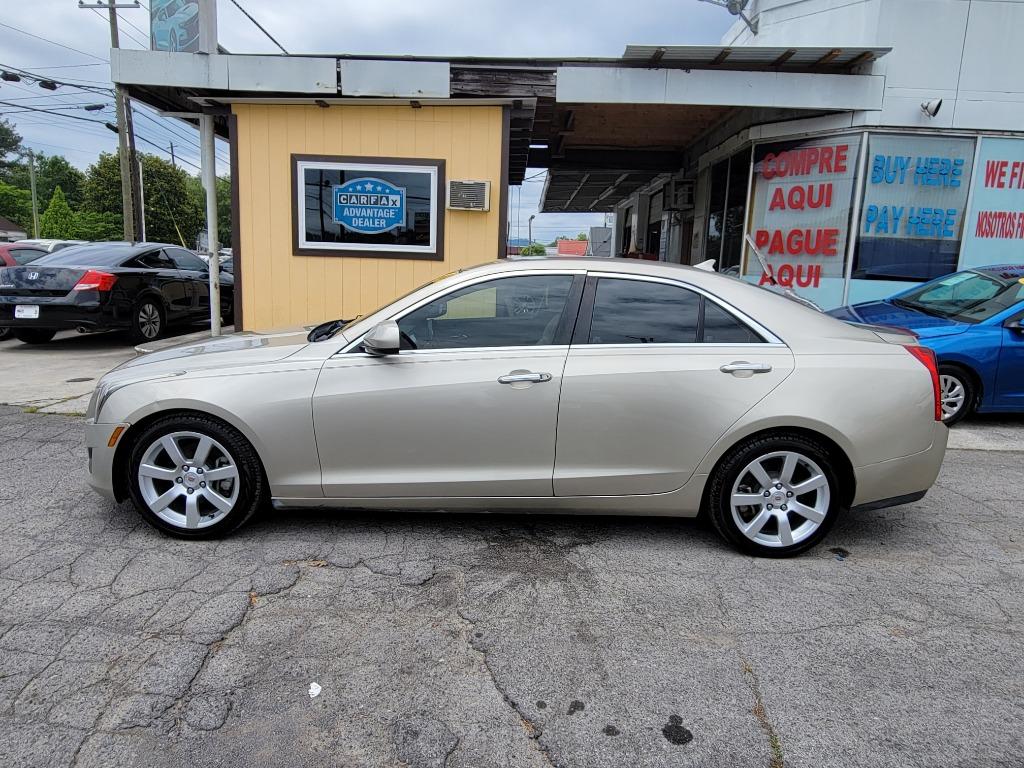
[(953, 376), (733, 465), (145, 313), (253, 492), (35, 335)]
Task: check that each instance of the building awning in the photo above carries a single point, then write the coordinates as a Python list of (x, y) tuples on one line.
[(567, 191), (750, 57)]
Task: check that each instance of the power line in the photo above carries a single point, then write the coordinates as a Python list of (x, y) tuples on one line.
[(127, 34), (259, 26), (51, 112), (54, 42)]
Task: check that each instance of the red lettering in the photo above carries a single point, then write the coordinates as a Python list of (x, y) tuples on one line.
[(841, 151), (795, 242), (826, 160), (784, 275), (768, 166), (761, 238), (776, 246), (778, 199)]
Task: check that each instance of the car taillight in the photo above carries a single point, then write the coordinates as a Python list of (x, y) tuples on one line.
[(927, 358), (94, 280)]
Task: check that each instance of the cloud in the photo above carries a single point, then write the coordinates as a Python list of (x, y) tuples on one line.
[(526, 28)]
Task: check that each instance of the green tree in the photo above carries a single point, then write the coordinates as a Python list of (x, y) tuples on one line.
[(582, 236), (16, 205), (58, 220), (533, 249), (52, 171), (10, 144), (97, 226), (195, 188), (173, 214)]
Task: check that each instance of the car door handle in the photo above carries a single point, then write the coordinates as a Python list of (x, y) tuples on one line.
[(742, 366), (517, 378)]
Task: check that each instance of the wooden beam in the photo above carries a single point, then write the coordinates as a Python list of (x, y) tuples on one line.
[(784, 57), (828, 57), (609, 190), (863, 58), (722, 56), (583, 181)]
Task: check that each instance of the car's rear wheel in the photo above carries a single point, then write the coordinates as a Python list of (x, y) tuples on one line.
[(775, 495), (194, 476), (35, 335), (147, 321), (956, 391)]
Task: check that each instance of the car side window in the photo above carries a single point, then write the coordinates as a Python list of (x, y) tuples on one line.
[(720, 327), (506, 312), (186, 260), (151, 260), (641, 312)]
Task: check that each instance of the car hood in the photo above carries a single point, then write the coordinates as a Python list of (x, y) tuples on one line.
[(887, 313), (228, 351)]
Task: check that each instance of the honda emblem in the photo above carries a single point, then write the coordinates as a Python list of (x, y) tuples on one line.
[(33, 275)]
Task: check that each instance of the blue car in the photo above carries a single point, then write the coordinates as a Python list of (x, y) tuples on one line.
[(974, 321)]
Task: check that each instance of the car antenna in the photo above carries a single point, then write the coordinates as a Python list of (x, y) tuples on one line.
[(767, 270)]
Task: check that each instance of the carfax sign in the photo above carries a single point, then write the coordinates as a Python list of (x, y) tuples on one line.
[(369, 205)]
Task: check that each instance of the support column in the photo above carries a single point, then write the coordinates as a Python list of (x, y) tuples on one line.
[(209, 175)]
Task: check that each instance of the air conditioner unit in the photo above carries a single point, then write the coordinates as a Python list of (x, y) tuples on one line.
[(679, 195), (469, 195)]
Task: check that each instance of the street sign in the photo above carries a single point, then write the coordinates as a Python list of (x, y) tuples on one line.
[(369, 205)]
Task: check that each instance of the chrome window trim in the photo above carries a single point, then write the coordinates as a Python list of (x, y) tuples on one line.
[(770, 338), (480, 279)]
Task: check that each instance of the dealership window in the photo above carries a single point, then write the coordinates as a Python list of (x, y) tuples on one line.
[(800, 207), (507, 312), (369, 207), (727, 209), (915, 200)]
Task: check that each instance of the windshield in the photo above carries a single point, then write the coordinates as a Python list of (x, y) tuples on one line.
[(968, 297)]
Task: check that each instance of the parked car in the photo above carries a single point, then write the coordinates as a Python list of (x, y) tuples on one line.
[(974, 322), (141, 287), (665, 388), (50, 245), (11, 255)]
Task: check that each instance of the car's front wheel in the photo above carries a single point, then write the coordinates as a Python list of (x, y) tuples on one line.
[(194, 476), (956, 391), (775, 495)]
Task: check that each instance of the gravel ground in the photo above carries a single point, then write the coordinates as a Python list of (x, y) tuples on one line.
[(471, 641)]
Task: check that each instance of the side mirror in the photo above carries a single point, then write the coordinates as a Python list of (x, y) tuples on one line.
[(383, 339), (1016, 324)]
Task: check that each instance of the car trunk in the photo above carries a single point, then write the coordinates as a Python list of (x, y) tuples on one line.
[(30, 281)]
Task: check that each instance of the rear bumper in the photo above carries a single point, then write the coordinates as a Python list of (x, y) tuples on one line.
[(62, 316), (902, 480), (101, 456)]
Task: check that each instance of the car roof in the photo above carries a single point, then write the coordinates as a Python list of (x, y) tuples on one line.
[(1005, 271)]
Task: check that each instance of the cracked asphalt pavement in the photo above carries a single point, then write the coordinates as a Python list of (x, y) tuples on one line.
[(470, 641)]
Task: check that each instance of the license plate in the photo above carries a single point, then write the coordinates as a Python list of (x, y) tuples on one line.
[(26, 312)]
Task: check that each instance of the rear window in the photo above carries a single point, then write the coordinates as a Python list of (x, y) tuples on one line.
[(86, 256), (25, 255)]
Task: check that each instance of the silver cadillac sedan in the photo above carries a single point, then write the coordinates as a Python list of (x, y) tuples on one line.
[(601, 386)]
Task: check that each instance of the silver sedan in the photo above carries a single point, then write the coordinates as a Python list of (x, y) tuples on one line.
[(602, 386)]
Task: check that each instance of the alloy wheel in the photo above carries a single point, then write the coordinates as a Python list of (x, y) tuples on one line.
[(953, 395), (780, 499), (188, 479), (149, 321)]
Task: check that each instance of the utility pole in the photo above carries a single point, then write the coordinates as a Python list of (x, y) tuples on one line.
[(173, 164), (142, 201), (529, 227), (124, 135), (35, 202)]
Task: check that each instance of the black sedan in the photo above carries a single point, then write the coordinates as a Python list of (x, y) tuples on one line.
[(141, 287)]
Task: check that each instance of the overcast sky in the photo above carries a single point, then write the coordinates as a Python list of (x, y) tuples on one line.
[(425, 27)]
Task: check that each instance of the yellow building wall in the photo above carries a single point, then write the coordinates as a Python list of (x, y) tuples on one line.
[(280, 289)]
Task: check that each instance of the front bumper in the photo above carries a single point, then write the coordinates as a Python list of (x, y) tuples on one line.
[(896, 481), (101, 455)]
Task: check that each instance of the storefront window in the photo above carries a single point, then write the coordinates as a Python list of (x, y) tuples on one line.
[(915, 195), (994, 232), (389, 208), (716, 209), (800, 203)]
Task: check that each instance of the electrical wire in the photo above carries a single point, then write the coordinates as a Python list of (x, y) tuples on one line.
[(54, 42), (259, 26)]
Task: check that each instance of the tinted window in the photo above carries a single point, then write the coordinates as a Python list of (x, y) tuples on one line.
[(186, 260), (152, 260), (720, 327), (508, 312), (25, 255), (87, 256), (638, 312)]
